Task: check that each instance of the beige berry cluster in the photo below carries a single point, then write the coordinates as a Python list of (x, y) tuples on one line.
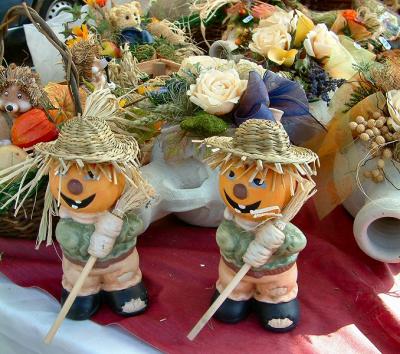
[(375, 131)]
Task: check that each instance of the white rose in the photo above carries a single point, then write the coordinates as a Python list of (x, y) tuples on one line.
[(265, 38), (393, 102), (217, 92), (197, 64), (321, 43), (245, 66), (280, 17)]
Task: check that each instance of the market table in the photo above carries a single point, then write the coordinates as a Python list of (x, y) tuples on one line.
[(350, 303), (26, 315)]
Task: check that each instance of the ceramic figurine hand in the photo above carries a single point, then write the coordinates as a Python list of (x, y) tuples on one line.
[(267, 240), (103, 238)]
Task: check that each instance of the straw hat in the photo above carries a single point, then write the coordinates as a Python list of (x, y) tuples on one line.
[(261, 140), (90, 140)]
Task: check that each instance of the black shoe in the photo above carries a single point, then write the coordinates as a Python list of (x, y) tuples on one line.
[(83, 307), (128, 302), (231, 311), (287, 312)]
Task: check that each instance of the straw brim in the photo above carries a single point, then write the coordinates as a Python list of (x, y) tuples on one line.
[(292, 155), (124, 149)]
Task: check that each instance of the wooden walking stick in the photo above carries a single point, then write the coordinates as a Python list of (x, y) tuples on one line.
[(70, 300), (300, 197), (123, 205)]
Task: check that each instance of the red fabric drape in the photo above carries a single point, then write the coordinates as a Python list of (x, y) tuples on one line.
[(349, 302)]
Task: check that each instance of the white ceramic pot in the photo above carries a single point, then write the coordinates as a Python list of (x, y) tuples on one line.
[(187, 188), (377, 214)]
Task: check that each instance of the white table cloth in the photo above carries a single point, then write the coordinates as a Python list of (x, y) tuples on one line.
[(26, 314)]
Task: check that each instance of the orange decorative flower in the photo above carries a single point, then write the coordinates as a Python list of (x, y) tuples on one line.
[(350, 15), (79, 33), (100, 3)]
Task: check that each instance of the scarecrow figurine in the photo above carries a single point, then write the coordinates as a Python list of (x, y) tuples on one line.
[(264, 181), (94, 183)]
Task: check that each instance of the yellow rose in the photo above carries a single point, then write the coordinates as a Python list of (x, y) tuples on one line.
[(217, 92), (393, 103)]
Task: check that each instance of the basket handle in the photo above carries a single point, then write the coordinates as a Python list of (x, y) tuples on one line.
[(72, 77)]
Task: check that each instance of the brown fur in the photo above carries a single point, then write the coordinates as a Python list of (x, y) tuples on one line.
[(84, 54), (27, 81)]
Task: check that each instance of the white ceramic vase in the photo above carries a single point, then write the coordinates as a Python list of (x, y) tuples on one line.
[(187, 188), (377, 212)]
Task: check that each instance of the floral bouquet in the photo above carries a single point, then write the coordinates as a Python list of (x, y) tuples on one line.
[(212, 96)]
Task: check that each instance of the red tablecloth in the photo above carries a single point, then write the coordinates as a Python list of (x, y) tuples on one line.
[(350, 303)]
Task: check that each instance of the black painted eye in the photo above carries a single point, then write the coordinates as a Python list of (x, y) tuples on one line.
[(257, 183), (231, 174), (5, 93), (127, 17), (90, 176), (19, 96)]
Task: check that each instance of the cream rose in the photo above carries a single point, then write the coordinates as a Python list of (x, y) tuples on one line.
[(325, 46), (197, 64), (245, 66), (393, 102), (321, 43), (217, 92), (280, 17), (265, 38)]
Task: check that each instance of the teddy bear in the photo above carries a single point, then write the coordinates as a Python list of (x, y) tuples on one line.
[(126, 18)]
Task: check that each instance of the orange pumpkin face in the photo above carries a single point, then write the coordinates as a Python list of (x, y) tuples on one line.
[(85, 190), (251, 200)]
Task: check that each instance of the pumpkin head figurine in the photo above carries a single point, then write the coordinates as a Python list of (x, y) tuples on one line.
[(263, 179), (94, 184)]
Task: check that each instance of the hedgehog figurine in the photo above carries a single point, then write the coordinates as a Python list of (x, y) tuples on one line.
[(20, 90), (87, 59)]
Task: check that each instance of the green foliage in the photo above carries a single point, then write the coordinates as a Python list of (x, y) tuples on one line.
[(172, 100), (204, 125), (141, 123), (75, 11), (9, 190), (143, 52), (367, 86)]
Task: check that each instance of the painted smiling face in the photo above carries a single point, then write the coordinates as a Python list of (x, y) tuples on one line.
[(253, 199), (87, 190)]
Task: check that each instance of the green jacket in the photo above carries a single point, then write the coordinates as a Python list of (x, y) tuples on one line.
[(74, 238), (233, 242)]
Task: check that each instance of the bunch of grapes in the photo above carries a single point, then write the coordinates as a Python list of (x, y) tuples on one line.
[(320, 83)]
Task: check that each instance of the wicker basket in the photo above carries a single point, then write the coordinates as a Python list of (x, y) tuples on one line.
[(26, 223), (158, 67)]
